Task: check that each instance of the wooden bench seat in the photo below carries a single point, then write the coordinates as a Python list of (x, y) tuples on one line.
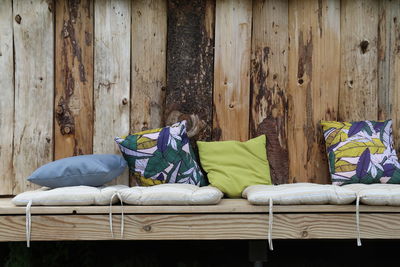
[(231, 219)]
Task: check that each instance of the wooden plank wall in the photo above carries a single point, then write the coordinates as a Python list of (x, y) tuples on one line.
[(74, 74)]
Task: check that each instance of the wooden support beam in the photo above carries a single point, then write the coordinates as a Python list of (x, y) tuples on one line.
[(314, 64), (232, 70), (190, 65), (201, 226), (149, 44), (389, 65), (34, 89), (269, 78), (358, 98), (112, 76), (7, 97), (74, 78)]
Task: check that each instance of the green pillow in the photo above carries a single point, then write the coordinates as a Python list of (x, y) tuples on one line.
[(232, 165)]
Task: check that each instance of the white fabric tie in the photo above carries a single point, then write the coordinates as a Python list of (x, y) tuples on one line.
[(28, 223), (111, 214), (270, 222), (358, 220)]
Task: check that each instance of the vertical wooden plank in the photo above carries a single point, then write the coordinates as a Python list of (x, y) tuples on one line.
[(111, 76), (74, 78), (269, 77), (389, 65), (232, 70), (190, 64), (359, 68), (149, 41), (314, 64), (34, 80), (7, 97)]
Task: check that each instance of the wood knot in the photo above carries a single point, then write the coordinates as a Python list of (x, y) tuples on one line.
[(67, 129), (364, 46), (124, 101), (18, 19), (300, 81), (59, 109), (304, 234), (147, 228), (163, 88), (231, 106)]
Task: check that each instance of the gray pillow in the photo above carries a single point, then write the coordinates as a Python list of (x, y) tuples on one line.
[(90, 170)]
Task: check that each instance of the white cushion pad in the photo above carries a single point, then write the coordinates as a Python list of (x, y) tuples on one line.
[(71, 195), (298, 194), (171, 194), (377, 194)]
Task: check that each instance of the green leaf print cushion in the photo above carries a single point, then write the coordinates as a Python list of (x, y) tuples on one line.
[(361, 152), (161, 156)]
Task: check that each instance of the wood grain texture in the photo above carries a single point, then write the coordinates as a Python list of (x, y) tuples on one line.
[(314, 64), (232, 70), (111, 76), (358, 98), (269, 78), (7, 97), (389, 65), (190, 64), (149, 42), (74, 78), (34, 81), (202, 227)]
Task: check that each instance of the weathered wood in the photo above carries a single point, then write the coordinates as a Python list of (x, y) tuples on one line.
[(389, 65), (74, 78), (202, 226), (149, 41), (190, 64), (34, 95), (314, 64), (7, 97), (111, 76), (358, 98), (232, 70), (269, 63)]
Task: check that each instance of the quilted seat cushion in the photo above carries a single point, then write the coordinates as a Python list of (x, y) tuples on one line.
[(71, 195), (299, 194), (171, 194), (377, 194)]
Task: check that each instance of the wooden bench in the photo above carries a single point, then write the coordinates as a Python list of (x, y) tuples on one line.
[(231, 219)]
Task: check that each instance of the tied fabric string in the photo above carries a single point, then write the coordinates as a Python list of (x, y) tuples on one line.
[(358, 220), (270, 222), (111, 214), (28, 223)]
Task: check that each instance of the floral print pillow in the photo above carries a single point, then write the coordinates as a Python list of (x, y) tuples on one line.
[(361, 152), (161, 156)]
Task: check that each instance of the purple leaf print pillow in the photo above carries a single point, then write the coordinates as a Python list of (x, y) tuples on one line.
[(361, 152)]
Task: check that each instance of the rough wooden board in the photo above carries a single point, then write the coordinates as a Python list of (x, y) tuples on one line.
[(149, 41), (74, 78), (34, 83), (358, 98), (190, 62), (314, 64), (7, 97), (389, 65), (201, 226), (269, 63), (111, 76), (232, 70)]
